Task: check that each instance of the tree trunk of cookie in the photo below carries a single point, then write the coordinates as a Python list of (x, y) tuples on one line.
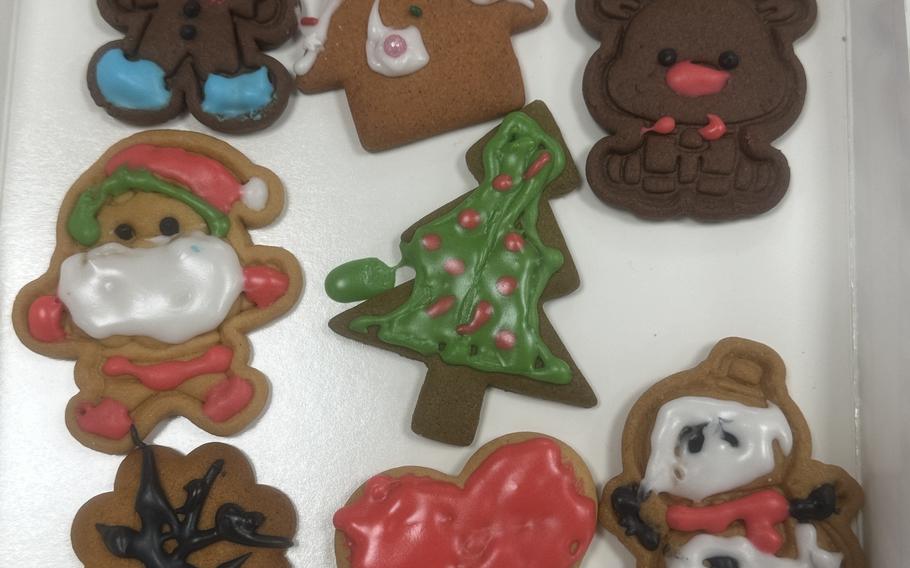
[(448, 408)]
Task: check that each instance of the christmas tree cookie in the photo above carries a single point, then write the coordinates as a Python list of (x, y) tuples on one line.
[(484, 264)]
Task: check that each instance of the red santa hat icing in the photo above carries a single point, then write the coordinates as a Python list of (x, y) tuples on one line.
[(205, 177)]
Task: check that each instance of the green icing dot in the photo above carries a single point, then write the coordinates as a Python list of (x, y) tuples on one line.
[(415, 10), (519, 145)]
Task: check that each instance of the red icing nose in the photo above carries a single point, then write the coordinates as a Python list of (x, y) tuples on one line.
[(689, 79)]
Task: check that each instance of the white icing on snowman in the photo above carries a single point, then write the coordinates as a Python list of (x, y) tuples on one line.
[(314, 37), (391, 52), (703, 446), (529, 4), (697, 552)]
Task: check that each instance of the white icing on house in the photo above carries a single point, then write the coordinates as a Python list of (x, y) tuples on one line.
[(392, 52), (703, 547), (529, 4), (703, 446)]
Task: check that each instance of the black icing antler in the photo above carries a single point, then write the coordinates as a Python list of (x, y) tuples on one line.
[(627, 506), (162, 524), (818, 506)]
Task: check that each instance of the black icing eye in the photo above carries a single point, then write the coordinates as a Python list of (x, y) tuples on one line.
[(722, 562), (124, 232), (169, 226), (731, 439), (415, 10), (693, 437), (667, 57), (728, 60)]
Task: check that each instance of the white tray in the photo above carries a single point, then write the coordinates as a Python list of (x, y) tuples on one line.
[(823, 279)]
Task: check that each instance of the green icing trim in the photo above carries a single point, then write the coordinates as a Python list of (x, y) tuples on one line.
[(83, 223), (438, 315)]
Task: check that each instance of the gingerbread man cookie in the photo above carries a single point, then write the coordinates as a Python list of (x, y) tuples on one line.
[(693, 94), (416, 68), (718, 473), (205, 55), (154, 284)]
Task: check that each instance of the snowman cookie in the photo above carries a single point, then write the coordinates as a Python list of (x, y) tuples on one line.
[(718, 473), (412, 69), (204, 55), (154, 284)]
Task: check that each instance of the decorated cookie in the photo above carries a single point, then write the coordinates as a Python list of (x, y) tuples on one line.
[(173, 511), (718, 472), (204, 55), (485, 264), (154, 284), (693, 94), (522, 501), (416, 68)]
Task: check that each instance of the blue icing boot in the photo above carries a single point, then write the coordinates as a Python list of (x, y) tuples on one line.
[(134, 85), (234, 97)]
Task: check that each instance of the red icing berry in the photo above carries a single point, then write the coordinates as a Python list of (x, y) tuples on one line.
[(505, 339), (454, 266), (440, 306), (538, 165), (469, 218), (506, 285), (483, 311), (502, 182), (309, 21), (514, 242), (431, 242)]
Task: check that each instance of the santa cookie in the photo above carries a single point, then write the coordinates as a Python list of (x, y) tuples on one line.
[(154, 284), (173, 511), (718, 473), (416, 68), (522, 501), (693, 94), (485, 264), (205, 55)]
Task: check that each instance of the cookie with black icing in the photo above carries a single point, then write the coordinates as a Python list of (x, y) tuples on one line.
[(203, 55), (173, 511), (693, 93)]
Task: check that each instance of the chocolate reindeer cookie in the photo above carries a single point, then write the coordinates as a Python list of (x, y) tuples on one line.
[(205, 55), (416, 68), (172, 511), (693, 93), (154, 284), (718, 473)]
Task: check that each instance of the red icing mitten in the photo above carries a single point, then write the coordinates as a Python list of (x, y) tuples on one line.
[(264, 285), (109, 418), (521, 508), (227, 398), (45, 319)]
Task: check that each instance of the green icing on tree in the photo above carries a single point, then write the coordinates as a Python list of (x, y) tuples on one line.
[(480, 269)]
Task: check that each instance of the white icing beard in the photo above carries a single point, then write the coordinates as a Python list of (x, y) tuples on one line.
[(314, 38), (391, 52), (529, 4), (703, 547), (171, 292), (704, 446)]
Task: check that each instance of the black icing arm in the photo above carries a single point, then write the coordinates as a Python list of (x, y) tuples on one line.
[(627, 506), (818, 506)]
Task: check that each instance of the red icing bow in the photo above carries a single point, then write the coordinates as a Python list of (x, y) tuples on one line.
[(520, 509), (759, 512)]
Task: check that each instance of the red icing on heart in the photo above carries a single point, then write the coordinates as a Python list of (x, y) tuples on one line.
[(520, 509)]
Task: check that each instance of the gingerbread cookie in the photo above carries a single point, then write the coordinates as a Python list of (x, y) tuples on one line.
[(224, 519), (718, 472), (204, 55), (415, 68), (693, 94), (154, 284), (522, 501), (485, 265)]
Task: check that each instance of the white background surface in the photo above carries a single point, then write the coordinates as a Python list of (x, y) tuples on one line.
[(654, 296)]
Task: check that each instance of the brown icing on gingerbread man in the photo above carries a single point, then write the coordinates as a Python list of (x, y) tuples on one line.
[(154, 284), (205, 55), (693, 94)]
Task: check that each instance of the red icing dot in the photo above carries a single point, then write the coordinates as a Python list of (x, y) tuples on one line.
[(431, 242), (538, 165), (309, 21), (502, 182), (440, 306), (505, 339), (454, 266), (506, 285), (514, 242), (469, 218)]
